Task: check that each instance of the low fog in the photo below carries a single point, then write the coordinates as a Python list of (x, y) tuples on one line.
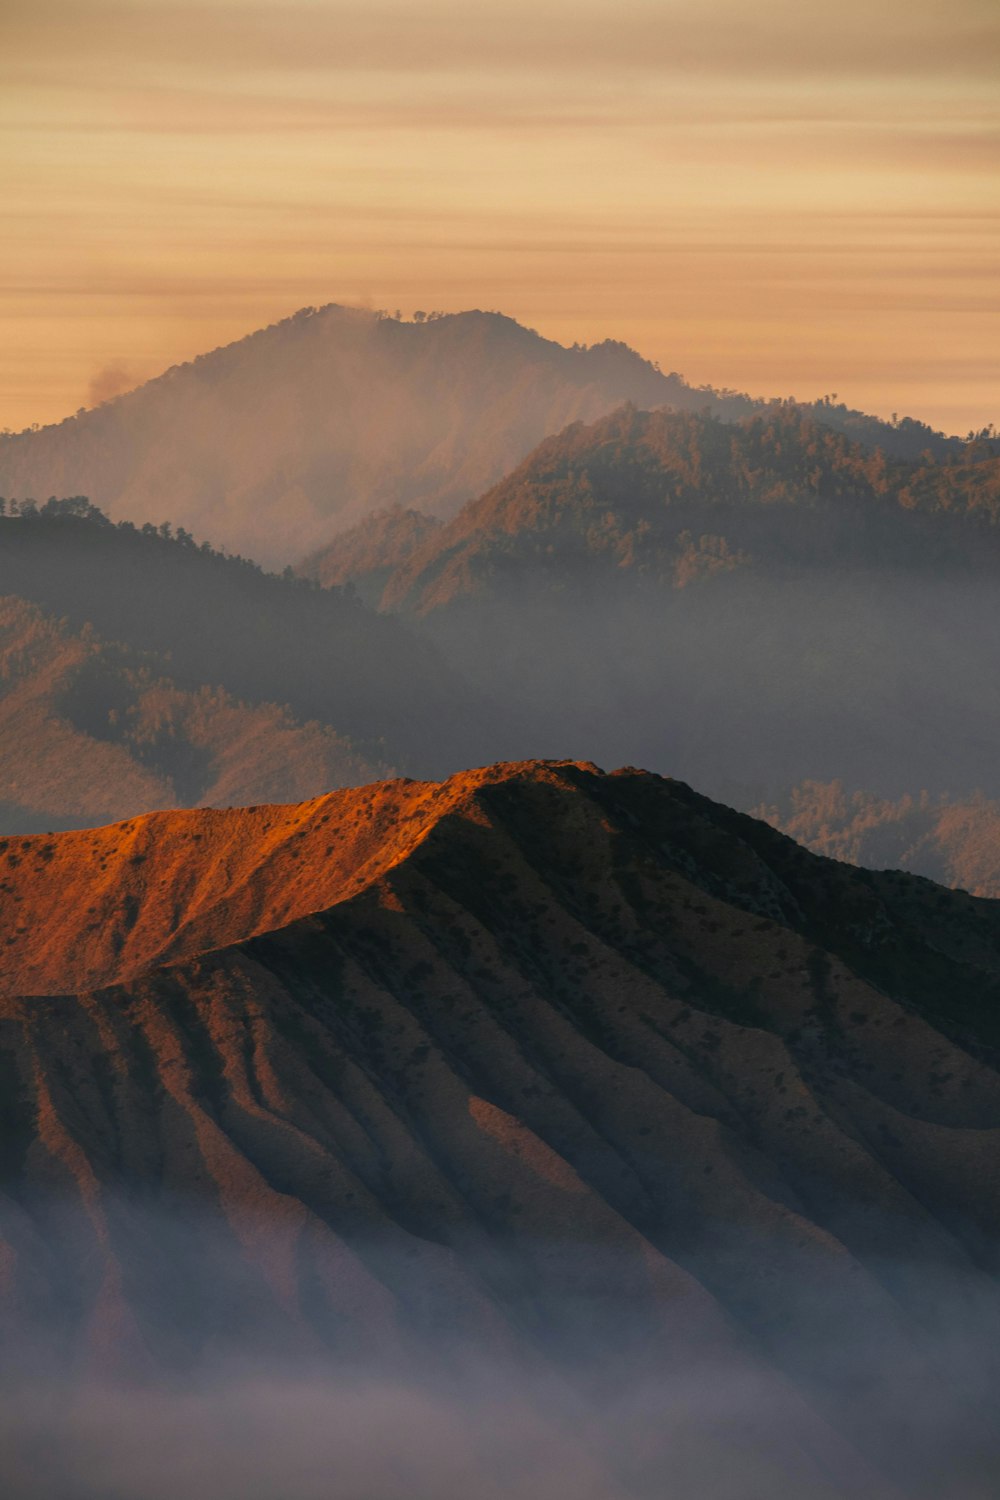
[(746, 686), (566, 1397), (250, 1433)]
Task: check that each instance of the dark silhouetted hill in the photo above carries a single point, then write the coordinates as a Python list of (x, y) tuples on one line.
[(140, 670)]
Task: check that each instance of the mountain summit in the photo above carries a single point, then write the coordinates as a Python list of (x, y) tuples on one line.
[(272, 444)]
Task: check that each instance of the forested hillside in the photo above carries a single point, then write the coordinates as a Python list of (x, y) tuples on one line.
[(752, 604), (673, 496)]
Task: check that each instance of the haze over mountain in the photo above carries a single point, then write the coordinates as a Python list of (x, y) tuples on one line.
[(954, 842), (138, 670), (621, 495), (758, 604), (92, 731), (752, 604), (583, 1071), (270, 445)]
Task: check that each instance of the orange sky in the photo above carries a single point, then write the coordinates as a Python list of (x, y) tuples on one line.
[(779, 196)]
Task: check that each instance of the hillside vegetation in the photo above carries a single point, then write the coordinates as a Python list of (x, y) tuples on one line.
[(751, 605), (674, 497)]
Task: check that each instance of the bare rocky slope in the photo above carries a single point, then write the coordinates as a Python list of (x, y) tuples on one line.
[(535, 1058)]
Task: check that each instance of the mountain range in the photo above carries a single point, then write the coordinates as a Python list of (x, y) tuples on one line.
[(138, 670), (582, 1070), (533, 1099), (763, 598), (272, 444), (762, 605), (751, 604)]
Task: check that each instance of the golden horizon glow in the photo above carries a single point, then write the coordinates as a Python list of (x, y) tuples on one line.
[(777, 198)]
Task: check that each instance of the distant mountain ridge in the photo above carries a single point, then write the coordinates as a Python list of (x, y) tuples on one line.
[(270, 445), (955, 842), (139, 670), (91, 732), (755, 604), (669, 497)]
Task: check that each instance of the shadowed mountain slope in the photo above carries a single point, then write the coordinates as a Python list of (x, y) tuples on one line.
[(314, 679), (272, 443), (91, 732), (555, 1060)]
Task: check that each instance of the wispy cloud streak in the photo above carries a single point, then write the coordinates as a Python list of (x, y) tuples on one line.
[(232, 160)]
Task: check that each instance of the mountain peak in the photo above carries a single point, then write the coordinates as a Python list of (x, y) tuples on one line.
[(271, 444), (167, 885), (164, 887)]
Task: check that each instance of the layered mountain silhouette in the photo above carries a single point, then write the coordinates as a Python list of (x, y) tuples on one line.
[(626, 497), (271, 444), (751, 604), (956, 843), (574, 1066), (754, 603), (92, 731), (142, 671)]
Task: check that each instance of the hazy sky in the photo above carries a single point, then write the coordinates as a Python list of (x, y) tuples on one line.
[(777, 195)]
